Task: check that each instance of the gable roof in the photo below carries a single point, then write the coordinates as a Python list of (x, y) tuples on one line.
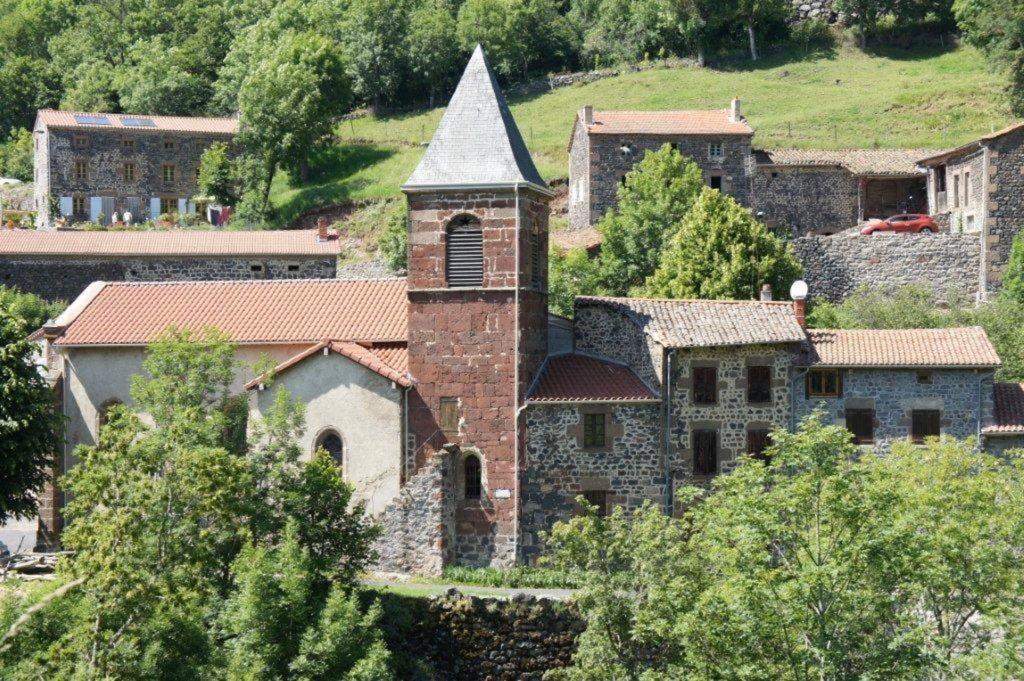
[(74, 244), (261, 312), (380, 361), (477, 143), (705, 122), (964, 347), (1008, 410), (970, 147), (895, 162), (582, 378), (85, 120), (708, 323)]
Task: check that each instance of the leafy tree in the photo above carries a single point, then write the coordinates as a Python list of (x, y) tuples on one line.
[(16, 155), (28, 419), (863, 15), (756, 14), (394, 239), (432, 46), (570, 273), (90, 88), (721, 251), (28, 25), (157, 83), (630, 30), (517, 34), (657, 194), (25, 85), (28, 309), (218, 176), (1013, 277), (373, 38)]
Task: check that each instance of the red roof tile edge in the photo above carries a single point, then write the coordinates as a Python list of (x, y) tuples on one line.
[(651, 397), (353, 351), (1008, 410)]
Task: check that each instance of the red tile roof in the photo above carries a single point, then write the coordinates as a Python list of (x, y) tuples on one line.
[(1009, 409), (178, 242), (581, 378), (67, 119), (249, 312), (713, 122), (966, 347), (372, 358), (861, 162)]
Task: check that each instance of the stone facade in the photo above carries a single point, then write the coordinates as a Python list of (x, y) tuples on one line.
[(798, 200), (605, 332), (818, 10), (64, 278), (836, 266), (964, 398), (999, 445)]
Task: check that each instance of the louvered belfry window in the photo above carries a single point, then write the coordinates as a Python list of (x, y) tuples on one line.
[(464, 253)]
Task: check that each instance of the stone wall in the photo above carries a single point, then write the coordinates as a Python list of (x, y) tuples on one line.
[(836, 266), (418, 525), (821, 10), (962, 201), (64, 278), (1005, 204), (800, 201), (458, 638), (579, 177), (558, 468), (607, 332)]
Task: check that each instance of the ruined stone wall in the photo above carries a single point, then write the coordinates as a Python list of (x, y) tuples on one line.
[(820, 10), (64, 278), (836, 266), (557, 467), (800, 201)]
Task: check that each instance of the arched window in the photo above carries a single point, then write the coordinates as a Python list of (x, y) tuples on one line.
[(464, 252), (330, 442), (471, 476), (104, 412)]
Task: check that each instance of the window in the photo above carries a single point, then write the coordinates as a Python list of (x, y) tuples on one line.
[(598, 498), (169, 144), (293, 268), (128, 146), (167, 172), (471, 477), (129, 172), (967, 189), (956, 191), (81, 142), (861, 423), (715, 182), (759, 384), (330, 442), (256, 267), (78, 205), (758, 440), (464, 252), (940, 179), (924, 423), (924, 377), (674, 146), (168, 205), (823, 383), (81, 171), (536, 260), (594, 430), (705, 452), (448, 412), (705, 385), (716, 150)]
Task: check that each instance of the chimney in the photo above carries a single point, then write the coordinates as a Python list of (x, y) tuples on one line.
[(766, 293), (587, 115), (798, 292), (321, 229), (735, 114)]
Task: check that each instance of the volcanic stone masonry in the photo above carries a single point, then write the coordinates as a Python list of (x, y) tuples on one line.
[(802, 200)]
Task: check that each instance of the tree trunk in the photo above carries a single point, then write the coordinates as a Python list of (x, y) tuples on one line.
[(268, 178), (701, 57), (304, 170), (753, 43)]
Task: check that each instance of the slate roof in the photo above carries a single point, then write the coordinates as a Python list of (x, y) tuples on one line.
[(895, 162), (67, 119), (1009, 409), (295, 311), (708, 323), (374, 359), (75, 244), (581, 378), (964, 347), (708, 122), (477, 142)]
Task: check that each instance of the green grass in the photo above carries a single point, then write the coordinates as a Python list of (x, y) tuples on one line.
[(512, 578), (837, 99)]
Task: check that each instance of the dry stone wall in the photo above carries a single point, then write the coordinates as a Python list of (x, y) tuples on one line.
[(799, 201)]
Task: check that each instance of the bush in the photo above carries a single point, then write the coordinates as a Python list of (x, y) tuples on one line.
[(512, 578)]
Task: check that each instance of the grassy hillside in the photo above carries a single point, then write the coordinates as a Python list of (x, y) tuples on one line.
[(846, 98)]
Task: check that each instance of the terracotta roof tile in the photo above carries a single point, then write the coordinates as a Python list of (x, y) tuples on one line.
[(857, 161), (708, 323), (87, 120), (581, 378), (166, 243), (370, 358), (966, 347), (1009, 409), (712, 122), (249, 312)]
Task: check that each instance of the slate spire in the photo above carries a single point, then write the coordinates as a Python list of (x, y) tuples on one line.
[(477, 142)]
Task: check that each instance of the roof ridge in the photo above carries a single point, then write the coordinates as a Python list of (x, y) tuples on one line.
[(240, 282), (684, 300), (133, 115)]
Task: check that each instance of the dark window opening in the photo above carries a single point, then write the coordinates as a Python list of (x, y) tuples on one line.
[(758, 440), (598, 498), (759, 384), (940, 179), (924, 377), (705, 385), (536, 260), (594, 430), (330, 442), (861, 423), (256, 268), (448, 413), (293, 268), (464, 253), (924, 423), (471, 471), (705, 452), (715, 182), (823, 383)]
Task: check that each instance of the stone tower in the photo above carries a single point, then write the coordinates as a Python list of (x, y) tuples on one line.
[(477, 287)]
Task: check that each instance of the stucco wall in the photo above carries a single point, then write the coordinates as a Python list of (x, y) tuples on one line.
[(364, 408), (579, 178), (800, 201)]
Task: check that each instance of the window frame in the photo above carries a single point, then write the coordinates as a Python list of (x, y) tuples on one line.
[(837, 392), (716, 150), (78, 211), (170, 144), (83, 165), (700, 392), (318, 443), (449, 415), (463, 276), (861, 412), (125, 168), (753, 435), (80, 142), (169, 200), (595, 423), (766, 384), (915, 436), (709, 465), (164, 167), (601, 498), (127, 146)]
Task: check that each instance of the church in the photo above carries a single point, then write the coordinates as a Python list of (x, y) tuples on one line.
[(469, 419)]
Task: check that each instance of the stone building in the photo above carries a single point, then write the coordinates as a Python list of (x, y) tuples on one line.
[(89, 165), (469, 419), (978, 188)]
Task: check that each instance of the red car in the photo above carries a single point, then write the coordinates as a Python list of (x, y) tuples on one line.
[(915, 223)]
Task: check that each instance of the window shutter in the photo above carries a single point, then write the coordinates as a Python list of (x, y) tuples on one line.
[(182, 206), (464, 264), (154, 207), (66, 206), (536, 261)]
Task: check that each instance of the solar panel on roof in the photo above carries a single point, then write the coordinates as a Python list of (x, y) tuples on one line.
[(84, 119), (139, 122)]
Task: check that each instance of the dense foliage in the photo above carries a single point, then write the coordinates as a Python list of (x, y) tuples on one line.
[(28, 308), (997, 27), (820, 562)]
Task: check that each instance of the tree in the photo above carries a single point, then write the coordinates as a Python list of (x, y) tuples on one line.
[(373, 37), (656, 196), (25, 85), (394, 239), (27, 308), (432, 46), (90, 88), (1013, 277), (28, 420), (756, 14), (218, 176), (571, 273), (157, 83), (863, 15), (16, 155), (516, 34), (721, 251)]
